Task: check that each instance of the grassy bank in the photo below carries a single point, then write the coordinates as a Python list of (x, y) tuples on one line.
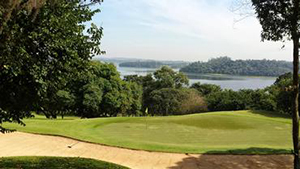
[(55, 163), (239, 132)]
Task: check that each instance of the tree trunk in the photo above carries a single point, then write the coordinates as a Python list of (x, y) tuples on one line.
[(295, 107), (295, 110)]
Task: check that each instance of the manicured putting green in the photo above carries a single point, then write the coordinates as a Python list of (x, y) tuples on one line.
[(239, 132), (54, 163)]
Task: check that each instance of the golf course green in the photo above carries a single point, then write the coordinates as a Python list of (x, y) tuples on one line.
[(235, 132)]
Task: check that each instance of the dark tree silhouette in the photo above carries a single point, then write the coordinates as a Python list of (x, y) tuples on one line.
[(280, 21)]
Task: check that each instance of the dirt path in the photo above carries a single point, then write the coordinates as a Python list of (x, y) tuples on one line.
[(23, 144)]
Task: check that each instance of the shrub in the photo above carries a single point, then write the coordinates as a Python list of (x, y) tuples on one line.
[(170, 101), (192, 103), (225, 101)]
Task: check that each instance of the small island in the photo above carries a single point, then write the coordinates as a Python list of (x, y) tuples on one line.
[(225, 65)]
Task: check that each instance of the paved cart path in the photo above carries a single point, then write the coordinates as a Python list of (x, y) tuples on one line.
[(23, 144)]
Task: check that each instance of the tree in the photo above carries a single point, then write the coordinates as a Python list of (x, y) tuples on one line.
[(170, 101), (206, 89), (167, 78), (65, 102), (226, 100), (37, 57), (10, 8), (280, 21), (91, 100), (161, 78), (260, 99), (283, 92), (225, 65), (100, 92)]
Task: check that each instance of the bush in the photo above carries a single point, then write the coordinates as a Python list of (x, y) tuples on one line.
[(225, 101), (192, 103), (169, 101), (206, 89), (262, 100)]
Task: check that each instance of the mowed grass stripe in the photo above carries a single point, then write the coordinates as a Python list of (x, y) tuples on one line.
[(239, 132)]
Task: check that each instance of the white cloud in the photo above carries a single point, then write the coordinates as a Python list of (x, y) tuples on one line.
[(210, 23)]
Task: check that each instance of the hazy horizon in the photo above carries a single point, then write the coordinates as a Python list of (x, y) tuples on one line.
[(149, 59), (190, 30)]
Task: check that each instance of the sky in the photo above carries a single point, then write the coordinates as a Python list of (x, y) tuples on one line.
[(189, 30)]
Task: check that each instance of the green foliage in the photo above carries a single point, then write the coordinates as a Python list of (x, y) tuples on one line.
[(283, 93), (168, 78), (260, 99), (55, 163), (169, 101), (132, 99), (276, 18), (37, 56), (206, 89), (165, 77), (192, 102), (225, 100), (60, 103), (65, 102), (224, 65), (92, 97), (165, 101), (100, 92)]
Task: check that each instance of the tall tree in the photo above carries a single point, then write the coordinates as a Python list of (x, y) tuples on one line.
[(9, 8), (38, 56), (280, 21)]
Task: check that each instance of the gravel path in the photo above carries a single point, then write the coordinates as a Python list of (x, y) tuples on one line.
[(23, 144)]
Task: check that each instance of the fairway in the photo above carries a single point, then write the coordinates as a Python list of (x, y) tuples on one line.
[(239, 132)]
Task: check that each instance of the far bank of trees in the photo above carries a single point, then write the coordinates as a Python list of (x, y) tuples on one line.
[(225, 65), (154, 64)]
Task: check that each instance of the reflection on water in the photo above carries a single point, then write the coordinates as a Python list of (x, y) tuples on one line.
[(225, 81), (134, 71), (213, 77)]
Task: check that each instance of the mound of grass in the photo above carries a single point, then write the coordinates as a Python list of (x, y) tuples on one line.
[(219, 132), (55, 163)]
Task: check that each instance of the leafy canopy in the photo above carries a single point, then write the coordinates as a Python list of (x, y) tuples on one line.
[(38, 56)]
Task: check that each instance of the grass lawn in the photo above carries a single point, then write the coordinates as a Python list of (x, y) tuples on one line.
[(239, 132), (55, 163)]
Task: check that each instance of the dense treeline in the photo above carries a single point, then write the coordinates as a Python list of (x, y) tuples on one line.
[(277, 97), (153, 64), (225, 65), (99, 91), (96, 92), (165, 92)]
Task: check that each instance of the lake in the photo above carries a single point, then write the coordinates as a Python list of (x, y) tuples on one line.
[(225, 81)]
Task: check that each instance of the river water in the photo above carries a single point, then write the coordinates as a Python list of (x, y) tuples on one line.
[(225, 81)]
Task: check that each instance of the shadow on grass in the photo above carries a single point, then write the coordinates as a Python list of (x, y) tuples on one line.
[(55, 163), (251, 158), (250, 151), (270, 114)]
